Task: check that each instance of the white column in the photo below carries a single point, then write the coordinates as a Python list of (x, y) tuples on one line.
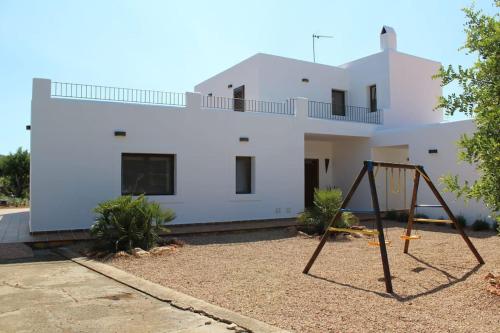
[(193, 100), (301, 107), (41, 89)]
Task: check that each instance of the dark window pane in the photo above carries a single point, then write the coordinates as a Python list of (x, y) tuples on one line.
[(147, 174), (243, 174), (373, 98), (338, 102), (239, 98)]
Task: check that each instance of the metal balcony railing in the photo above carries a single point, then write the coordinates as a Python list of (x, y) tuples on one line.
[(114, 94), (331, 111), (248, 105)]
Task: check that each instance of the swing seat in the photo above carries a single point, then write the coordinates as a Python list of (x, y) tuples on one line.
[(377, 243), (370, 232), (433, 221), (411, 237)]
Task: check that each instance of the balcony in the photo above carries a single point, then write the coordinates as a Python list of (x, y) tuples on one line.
[(331, 111), (315, 110)]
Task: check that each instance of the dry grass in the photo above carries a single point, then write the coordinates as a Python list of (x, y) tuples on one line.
[(438, 287)]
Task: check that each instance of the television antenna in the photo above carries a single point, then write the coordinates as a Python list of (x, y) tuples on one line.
[(314, 36)]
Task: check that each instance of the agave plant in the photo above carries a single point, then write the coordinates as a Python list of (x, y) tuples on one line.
[(126, 222)]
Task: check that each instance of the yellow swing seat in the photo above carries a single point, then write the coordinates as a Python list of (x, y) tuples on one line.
[(370, 232), (411, 237), (377, 243)]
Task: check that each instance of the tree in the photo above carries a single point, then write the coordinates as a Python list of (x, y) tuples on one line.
[(479, 98), (15, 174)]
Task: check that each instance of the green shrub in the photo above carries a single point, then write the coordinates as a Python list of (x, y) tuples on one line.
[(125, 223), (349, 219), (391, 215), (326, 204), (496, 225), (461, 220), (480, 225)]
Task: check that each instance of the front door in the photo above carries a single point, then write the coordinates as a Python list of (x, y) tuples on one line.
[(311, 180)]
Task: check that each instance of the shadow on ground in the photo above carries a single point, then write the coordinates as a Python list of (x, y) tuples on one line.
[(452, 280)]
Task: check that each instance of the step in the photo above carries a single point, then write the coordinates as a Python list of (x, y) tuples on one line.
[(428, 206)]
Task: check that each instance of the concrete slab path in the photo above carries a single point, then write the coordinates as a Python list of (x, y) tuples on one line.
[(50, 294)]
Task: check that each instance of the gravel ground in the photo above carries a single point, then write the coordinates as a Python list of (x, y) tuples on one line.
[(439, 287)]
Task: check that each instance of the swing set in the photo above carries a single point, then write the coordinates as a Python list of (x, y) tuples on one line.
[(382, 242)]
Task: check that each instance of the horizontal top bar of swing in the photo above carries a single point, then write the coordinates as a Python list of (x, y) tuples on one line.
[(394, 165), (429, 206), (347, 210)]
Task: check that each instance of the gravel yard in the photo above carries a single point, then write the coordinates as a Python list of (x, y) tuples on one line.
[(438, 287)]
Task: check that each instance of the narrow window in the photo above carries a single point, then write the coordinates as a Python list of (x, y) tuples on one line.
[(149, 174), (338, 102), (373, 98), (239, 98), (243, 175)]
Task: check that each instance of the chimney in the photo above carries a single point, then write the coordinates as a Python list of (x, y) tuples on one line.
[(388, 39)]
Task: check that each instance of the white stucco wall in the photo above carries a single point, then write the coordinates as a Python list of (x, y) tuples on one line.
[(442, 136), (76, 159), (244, 73), (413, 92)]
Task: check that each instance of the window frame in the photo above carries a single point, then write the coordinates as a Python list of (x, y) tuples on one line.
[(373, 102), (171, 184), (249, 177)]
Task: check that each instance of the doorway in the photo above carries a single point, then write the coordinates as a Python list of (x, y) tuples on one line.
[(311, 180)]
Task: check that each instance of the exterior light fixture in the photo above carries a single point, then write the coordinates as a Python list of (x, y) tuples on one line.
[(433, 151), (306, 80), (229, 86), (28, 127)]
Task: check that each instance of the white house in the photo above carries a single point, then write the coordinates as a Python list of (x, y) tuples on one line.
[(250, 143)]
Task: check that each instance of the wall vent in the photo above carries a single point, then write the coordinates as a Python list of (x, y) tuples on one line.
[(120, 133)]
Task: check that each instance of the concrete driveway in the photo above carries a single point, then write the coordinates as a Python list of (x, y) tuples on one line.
[(52, 294)]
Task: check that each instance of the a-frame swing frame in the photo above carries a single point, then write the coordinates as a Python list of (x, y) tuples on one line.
[(368, 167)]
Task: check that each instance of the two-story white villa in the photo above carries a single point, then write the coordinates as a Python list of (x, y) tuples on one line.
[(250, 143)]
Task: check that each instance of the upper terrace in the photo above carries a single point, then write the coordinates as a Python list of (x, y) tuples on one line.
[(288, 108)]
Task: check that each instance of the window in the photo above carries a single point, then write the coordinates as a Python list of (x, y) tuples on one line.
[(338, 102), (150, 174), (239, 98), (243, 175), (373, 98)]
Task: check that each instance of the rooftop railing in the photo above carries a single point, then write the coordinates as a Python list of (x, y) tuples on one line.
[(248, 105), (114, 94), (331, 111), (319, 110)]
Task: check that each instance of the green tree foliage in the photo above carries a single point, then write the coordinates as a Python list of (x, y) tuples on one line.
[(480, 98), (15, 174), (125, 223)]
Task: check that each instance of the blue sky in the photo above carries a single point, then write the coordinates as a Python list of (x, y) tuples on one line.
[(172, 45)]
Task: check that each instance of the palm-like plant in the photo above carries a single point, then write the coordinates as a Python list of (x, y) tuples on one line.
[(125, 223), (326, 204)]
